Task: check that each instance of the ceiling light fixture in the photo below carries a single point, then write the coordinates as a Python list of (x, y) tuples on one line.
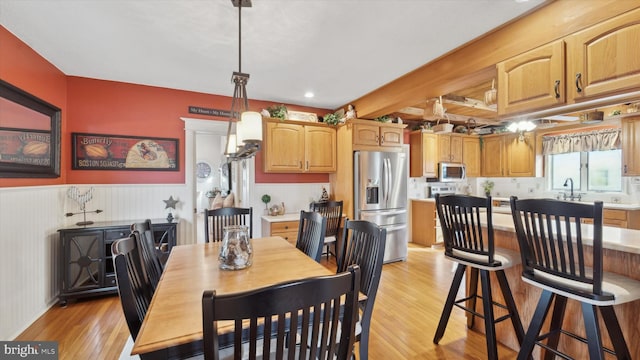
[(244, 134), (521, 127), (309, 94)]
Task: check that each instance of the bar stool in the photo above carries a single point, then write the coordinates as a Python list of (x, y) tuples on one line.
[(554, 259), (466, 244)]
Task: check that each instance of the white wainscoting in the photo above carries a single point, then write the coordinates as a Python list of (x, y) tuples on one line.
[(29, 220)]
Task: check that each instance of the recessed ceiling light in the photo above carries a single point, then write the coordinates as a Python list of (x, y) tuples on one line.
[(521, 1), (309, 94)]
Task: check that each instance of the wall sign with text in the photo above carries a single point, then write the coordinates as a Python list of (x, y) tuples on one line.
[(118, 152)]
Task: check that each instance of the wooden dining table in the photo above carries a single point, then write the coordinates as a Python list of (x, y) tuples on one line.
[(174, 317)]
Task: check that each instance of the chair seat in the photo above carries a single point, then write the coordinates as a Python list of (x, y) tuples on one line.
[(623, 289), (329, 239), (504, 257)]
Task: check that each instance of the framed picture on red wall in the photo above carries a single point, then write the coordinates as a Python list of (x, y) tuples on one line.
[(121, 152)]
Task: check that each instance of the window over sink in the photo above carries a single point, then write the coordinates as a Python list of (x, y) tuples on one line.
[(590, 171)]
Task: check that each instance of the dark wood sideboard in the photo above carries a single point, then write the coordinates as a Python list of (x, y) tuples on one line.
[(86, 265)]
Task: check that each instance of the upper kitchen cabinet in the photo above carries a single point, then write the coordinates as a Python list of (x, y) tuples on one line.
[(428, 149), (450, 148), (492, 155), (605, 58), (298, 147), (471, 155), (423, 154), (533, 80), (373, 135), (631, 146), (509, 155), (520, 155)]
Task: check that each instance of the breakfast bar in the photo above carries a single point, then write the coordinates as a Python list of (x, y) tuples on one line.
[(621, 254)]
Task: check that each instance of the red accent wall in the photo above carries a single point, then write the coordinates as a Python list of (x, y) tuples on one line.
[(116, 108), (24, 68)]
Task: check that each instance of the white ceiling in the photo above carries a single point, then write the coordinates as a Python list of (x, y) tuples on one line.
[(338, 49)]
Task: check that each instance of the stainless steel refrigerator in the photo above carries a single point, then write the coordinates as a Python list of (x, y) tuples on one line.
[(380, 196)]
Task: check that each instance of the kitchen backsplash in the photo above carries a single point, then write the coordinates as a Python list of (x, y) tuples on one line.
[(528, 187)]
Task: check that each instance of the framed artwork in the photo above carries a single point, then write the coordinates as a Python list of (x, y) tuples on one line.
[(120, 152), (29, 135)]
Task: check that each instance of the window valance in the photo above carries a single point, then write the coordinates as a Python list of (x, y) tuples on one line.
[(595, 140)]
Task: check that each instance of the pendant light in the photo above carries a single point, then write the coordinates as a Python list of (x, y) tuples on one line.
[(244, 133)]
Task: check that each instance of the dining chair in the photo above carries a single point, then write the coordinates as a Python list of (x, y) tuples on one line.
[(469, 242), (151, 264), (363, 245), (315, 317), (136, 292), (332, 210), (215, 221), (557, 259), (311, 230)]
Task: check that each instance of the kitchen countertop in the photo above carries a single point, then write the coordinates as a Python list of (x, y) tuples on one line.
[(507, 209), (281, 218), (614, 238)]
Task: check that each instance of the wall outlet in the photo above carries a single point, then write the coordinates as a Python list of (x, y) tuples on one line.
[(530, 190), (615, 199)]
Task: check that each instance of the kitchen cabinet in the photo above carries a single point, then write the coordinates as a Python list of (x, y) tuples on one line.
[(427, 151), (423, 154), (533, 80), (630, 138), (492, 155), (628, 219), (603, 59), (298, 147), (369, 135), (85, 258), (286, 227), (423, 222), (471, 155), (450, 148), (520, 155), (509, 155), (597, 62)]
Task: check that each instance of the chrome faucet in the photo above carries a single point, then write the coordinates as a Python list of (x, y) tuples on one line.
[(571, 196)]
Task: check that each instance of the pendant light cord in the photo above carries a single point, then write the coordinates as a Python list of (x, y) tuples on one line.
[(240, 38)]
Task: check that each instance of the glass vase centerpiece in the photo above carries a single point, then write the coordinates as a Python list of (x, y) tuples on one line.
[(236, 251)]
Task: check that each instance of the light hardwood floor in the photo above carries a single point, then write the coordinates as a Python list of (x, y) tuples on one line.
[(405, 317)]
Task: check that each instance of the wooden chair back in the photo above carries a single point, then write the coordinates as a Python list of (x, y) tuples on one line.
[(215, 221), (364, 244), (311, 233), (461, 222), (550, 237), (332, 210), (151, 264), (315, 317), (134, 289)]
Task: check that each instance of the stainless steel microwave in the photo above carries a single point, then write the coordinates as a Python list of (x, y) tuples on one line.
[(448, 172)]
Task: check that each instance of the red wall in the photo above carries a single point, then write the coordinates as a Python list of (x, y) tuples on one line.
[(24, 68), (108, 107)]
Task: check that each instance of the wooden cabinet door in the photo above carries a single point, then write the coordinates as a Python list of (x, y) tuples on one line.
[(455, 148), (631, 146), (492, 155), (471, 155), (320, 149), (520, 155), (391, 136), (423, 154), (364, 134), (444, 148), (605, 57), (284, 147), (533, 80)]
